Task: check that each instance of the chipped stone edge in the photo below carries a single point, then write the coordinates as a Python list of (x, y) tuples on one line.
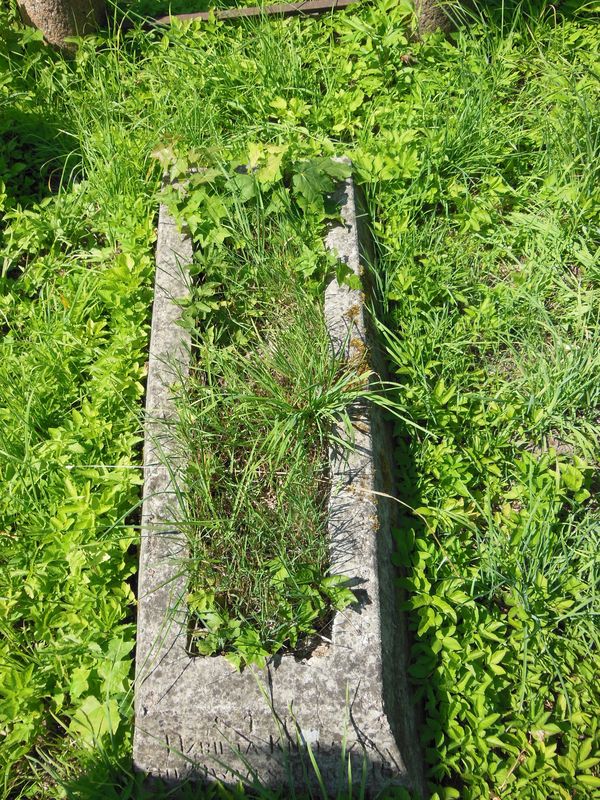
[(162, 547)]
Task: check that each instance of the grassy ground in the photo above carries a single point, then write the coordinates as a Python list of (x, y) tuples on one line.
[(493, 304), (479, 157)]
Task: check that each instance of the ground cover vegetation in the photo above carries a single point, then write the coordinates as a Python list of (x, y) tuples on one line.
[(265, 396), (479, 157)]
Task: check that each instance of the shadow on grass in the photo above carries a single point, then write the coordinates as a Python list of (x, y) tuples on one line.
[(36, 156)]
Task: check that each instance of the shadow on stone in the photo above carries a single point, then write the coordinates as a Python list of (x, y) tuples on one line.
[(107, 777), (398, 478)]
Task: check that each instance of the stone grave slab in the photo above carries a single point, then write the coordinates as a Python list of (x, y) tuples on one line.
[(198, 718)]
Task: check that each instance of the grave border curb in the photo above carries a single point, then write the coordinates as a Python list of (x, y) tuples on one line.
[(183, 727)]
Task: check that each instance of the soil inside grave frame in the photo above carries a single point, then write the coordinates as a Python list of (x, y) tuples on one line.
[(318, 640)]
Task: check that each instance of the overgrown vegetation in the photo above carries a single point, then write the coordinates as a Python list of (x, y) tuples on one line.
[(479, 157), (74, 305), (257, 415), (490, 263)]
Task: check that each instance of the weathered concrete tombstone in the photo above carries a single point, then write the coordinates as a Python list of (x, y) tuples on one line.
[(198, 718)]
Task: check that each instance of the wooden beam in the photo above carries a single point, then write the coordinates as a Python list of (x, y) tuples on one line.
[(278, 9)]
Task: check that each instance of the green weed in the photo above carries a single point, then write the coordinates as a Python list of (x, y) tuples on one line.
[(261, 407)]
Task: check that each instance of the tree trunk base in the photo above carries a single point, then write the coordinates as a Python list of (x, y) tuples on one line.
[(58, 19), (432, 16)]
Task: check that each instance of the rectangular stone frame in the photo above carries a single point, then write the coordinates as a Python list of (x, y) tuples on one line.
[(198, 718)]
